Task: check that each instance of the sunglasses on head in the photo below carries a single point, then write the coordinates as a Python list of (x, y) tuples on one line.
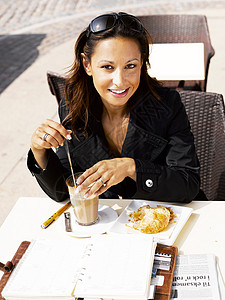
[(108, 21)]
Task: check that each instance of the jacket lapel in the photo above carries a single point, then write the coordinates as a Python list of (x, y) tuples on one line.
[(146, 128), (140, 144)]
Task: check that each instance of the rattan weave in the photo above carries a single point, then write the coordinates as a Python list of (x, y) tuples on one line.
[(206, 115), (181, 29), (56, 84)]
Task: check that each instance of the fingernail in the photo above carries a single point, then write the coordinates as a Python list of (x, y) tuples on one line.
[(68, 137), (86, 196), (79, 188), (78, 180)]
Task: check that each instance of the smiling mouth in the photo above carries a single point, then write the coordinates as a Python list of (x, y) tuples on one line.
[(119, 92)]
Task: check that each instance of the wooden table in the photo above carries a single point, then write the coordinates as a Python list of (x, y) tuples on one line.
[(204, 231)]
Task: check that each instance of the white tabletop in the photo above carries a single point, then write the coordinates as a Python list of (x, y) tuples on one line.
[(178, 61), (204, 231)]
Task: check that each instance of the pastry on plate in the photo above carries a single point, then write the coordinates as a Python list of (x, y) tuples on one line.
[(151, 220)]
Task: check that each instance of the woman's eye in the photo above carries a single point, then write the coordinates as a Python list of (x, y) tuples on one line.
[(130, 66), (107, 67)]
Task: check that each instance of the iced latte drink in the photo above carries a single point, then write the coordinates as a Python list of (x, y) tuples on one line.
[(85, 210)]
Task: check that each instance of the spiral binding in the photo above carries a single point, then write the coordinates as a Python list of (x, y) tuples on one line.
[(81, 274), (87, 251), (82, 271)]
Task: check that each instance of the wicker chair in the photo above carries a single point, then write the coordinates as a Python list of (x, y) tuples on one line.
[(181, 29), (206, 114), (56, 84)]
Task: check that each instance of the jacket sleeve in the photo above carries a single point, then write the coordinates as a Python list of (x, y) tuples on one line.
[(52, 179), (177, 179)]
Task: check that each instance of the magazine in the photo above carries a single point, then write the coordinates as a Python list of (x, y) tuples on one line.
[(196, 277)]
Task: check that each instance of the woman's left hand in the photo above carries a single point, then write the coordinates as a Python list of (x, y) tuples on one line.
[(105, 174)]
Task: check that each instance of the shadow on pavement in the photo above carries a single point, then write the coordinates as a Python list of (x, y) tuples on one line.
[(17, 53)]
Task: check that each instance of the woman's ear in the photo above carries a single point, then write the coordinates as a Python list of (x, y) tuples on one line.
[(86, 64)]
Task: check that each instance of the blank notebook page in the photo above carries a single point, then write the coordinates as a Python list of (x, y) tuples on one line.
[(46, 269), (118, 265)]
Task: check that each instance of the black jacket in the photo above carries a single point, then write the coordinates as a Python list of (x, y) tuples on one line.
[(158, 139)]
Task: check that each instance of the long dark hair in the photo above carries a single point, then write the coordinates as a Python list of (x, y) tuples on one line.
[(81, 95)]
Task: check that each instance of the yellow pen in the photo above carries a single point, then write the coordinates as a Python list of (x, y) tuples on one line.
[(56, 215)]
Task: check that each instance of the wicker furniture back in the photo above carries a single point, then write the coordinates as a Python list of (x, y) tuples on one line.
[(206, 115), (56, 83), (181, 29)]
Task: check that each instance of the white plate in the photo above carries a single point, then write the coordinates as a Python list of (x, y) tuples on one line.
[(168, 235), (106, 217)]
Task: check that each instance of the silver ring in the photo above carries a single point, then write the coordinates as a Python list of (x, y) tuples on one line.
[(45, 136), (104, 184)]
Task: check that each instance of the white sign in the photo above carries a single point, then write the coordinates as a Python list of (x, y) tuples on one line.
[(180, 61)]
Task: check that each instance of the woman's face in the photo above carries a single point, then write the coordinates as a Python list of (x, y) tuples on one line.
[(116, 69)]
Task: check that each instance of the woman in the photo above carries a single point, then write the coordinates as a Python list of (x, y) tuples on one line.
[(129, 135)]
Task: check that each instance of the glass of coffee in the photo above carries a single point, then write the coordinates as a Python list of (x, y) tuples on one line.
[(85, 209)]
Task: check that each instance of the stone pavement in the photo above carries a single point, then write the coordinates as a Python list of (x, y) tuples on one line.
[(39, 35)]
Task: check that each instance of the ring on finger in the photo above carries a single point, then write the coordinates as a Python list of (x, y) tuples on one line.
[(103, 183), (45, 136)]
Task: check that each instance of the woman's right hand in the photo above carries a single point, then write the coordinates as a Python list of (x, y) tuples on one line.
[(49, 134)]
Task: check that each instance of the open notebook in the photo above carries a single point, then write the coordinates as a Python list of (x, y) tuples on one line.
[(105, 266)]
